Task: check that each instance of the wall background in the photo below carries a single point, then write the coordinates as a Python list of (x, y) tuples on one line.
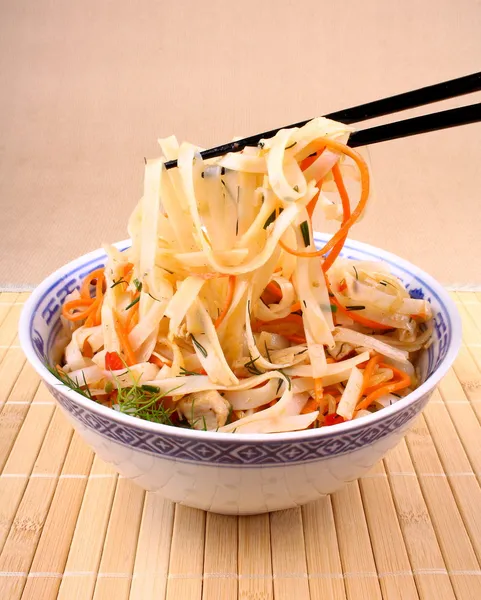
[(86, 88)]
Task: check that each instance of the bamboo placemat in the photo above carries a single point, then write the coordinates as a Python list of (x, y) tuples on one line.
[(70, 528)]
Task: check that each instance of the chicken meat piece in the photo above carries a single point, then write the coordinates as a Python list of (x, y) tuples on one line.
[(205, 410)]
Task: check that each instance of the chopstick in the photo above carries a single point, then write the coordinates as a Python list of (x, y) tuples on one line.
[(424, 124), (420, 97)]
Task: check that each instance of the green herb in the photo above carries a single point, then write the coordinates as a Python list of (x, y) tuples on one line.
[(184, 372), (384, 283), (153, 298), (143, 404), (272, 218), (132, 303), (305, 233), (301, 352), (397, 395), (150, 388), (360, 307), (229, 416), (252, 367), (333, 308), (118, 282), (170, 273), (199, 346), (291, 146), (261, 145), (138, 285), (267, 352), (64, 378), (357, 274), (109, 387), (296, 188), (289, 382)]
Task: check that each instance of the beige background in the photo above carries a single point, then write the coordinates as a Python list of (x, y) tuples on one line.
[(86, 88)]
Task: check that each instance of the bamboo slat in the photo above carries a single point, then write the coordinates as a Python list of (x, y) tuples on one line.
[(220, 557), (186, 554), (71, 528), (289, 566), (85, 551), (21, 542), (390, 555), (255, 561), (422, 545), (324, 568), (115, 572), (153, 549), (454, 540)]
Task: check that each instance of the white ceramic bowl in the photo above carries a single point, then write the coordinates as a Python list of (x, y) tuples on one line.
[(239, 473)]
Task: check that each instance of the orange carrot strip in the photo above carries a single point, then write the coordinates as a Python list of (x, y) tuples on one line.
[(85, 287), (274, 289), (310, 406), (87, 305), (346, 212), (124, 340), (343, 230), (369, 371), (228, 301), (296, 307), (318, 391), (403, 382)]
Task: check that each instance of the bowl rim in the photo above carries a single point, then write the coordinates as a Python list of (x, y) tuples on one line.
[(291, 436)]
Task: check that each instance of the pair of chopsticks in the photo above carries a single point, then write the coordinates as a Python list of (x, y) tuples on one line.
[(393, 104)]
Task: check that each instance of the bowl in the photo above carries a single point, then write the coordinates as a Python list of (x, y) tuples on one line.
[(239, 473)]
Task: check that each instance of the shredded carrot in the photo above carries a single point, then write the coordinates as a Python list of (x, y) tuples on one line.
[(274, 289), (403, 381), (87, 350), (346, 212), (369, 371), (88, 281), (297, 339), (343, 230), (318, 391), (124, 340), (296, 307), (307, 162), (77, 305), (87, 307), (310, 406), (228, 301)]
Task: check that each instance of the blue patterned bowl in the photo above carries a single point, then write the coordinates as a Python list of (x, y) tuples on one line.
[(239, 473)]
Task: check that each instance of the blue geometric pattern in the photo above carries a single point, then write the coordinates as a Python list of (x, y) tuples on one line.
[(226, 452)]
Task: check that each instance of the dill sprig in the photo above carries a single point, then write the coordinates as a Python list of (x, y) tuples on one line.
[(184, 372), (145, 402), (199, 346), (66, 380), (132, 303), (118, 282), (251, 366)]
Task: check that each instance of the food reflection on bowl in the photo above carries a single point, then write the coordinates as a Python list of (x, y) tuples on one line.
[(239, 473)]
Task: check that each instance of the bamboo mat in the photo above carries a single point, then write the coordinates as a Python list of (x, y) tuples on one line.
[(70, 528)]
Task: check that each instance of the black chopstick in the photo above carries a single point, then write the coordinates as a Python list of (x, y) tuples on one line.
[(424, 124), (420, 97)]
